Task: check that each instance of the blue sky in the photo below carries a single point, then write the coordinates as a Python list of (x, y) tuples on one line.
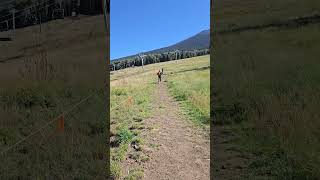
[(143, 25)]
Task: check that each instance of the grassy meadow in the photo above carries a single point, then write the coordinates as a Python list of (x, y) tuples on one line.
[(130, 97), (190, 85), (131, 104), (267, 91), (46, 75), (266, 85)]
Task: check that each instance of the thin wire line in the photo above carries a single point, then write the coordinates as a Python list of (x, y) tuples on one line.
[(17, 11), (45, 125), (6, 16), (53, 120), (8, 7), (118, 105), (30, 11), (29, 8)]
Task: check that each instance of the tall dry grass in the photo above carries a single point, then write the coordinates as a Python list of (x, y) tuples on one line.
[(269, 87), (44, 76)]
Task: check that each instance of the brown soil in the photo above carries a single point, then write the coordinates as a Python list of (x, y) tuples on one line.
[(175, 147)]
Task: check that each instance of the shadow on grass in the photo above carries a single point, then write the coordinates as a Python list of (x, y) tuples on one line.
[(188, 70)]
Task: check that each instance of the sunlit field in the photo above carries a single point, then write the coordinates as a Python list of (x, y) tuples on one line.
[(131, 98)]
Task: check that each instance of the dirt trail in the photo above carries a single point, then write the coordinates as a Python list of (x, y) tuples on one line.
[(183, 151)]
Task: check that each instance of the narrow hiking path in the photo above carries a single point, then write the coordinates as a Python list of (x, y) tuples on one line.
[(182, 150)]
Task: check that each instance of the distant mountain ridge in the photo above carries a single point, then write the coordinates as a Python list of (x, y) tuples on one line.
[(198, 41)]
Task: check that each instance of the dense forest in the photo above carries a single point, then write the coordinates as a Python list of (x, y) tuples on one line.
[(156, 58)]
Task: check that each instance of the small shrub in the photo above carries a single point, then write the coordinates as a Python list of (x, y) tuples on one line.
[(119, 92), (125, 135)]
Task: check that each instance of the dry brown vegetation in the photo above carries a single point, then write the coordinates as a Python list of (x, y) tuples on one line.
[(46, 74), (266, 85)]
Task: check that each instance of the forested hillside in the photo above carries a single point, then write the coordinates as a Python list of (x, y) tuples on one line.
[(196, 45)]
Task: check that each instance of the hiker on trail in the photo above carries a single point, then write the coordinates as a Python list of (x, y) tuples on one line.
[(159, 73)]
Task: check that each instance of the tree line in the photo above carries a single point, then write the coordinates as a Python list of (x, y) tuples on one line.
[(152, 58), (31, 12)]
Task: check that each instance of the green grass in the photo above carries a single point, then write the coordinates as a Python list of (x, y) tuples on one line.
[(77, 152), (135, 174), (41, 89), (42, 79), (189, 83), (127, 121), (268, 89), (115, 169), (127, 118)]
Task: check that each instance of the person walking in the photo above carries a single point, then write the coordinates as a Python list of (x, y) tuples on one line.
[(159, 73)]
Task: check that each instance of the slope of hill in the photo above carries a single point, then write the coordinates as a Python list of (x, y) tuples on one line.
[(198, 41)]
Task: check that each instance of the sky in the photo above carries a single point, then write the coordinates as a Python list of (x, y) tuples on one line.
[(143, 25)]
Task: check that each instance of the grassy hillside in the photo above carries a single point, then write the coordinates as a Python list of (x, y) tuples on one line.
[(42, 76), (189, 83), (198, 41), (267, 84), (130, 105), (132, 91)]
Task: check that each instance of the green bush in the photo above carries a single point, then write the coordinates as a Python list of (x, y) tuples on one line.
[(125, 135)]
